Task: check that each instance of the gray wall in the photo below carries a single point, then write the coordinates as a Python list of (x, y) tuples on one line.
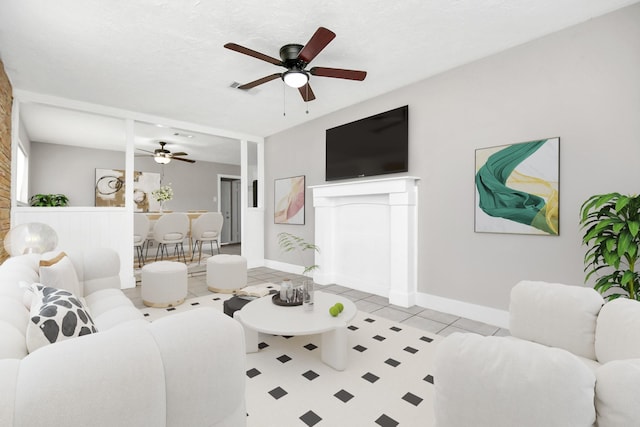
[(580, 84), (70, 170)]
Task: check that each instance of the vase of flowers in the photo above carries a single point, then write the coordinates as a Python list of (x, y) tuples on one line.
[(162, 195)]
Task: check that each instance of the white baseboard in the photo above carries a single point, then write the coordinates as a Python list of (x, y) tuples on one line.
[(283, 266), (480, 313), (255, 263)]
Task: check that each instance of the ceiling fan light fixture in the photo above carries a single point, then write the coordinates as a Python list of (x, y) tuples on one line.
[(295, 78), (163, 160)]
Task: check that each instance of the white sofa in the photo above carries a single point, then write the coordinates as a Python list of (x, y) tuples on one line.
[(570, 361), (183, 370)]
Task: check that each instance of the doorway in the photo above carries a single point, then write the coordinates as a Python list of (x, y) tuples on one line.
[(230, 208)]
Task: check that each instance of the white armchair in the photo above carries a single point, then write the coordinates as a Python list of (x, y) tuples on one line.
[(570, 362)]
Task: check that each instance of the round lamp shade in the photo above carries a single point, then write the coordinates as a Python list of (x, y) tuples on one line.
[(32, 237)]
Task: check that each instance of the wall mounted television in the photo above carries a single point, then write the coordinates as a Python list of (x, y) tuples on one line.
[(375, 145)]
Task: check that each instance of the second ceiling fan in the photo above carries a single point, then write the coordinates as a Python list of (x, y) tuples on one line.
[(295, 58), (163, 156)]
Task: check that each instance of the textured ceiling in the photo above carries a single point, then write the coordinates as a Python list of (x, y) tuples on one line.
[(166, 58)]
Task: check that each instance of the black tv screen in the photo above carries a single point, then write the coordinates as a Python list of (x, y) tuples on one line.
[(375, 145)]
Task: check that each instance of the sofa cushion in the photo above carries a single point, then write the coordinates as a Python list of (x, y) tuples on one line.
[(31, 261), (503, 382), (100, 270), (110, 307), (617, 331), (56, 315), (13, 344), (9, 369), (58, 272), (555, 315), (11, 280), (617, 397), (14, 313), (100, 380)]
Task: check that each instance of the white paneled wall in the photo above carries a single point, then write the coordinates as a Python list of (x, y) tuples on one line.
[(82, 228)]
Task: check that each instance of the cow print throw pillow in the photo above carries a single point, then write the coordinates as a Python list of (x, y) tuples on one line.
[(56, 315)]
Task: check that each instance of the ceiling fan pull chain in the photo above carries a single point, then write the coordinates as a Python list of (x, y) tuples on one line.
[(306, 102), (284, 99)]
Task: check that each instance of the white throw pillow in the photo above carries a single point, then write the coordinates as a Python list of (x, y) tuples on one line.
[(58, 272), (56, 315)]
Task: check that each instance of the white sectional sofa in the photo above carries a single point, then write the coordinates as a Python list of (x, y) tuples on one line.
[(572, 360), (183, 370)]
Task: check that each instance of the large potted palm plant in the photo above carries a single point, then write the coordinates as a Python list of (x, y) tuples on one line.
[(612, 232)]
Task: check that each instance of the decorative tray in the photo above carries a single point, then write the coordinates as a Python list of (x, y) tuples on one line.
[(277, 301)]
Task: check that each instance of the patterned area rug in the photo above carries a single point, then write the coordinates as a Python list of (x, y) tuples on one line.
[(388, 381)]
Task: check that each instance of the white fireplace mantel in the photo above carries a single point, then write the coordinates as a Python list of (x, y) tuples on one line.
[(367, 235)]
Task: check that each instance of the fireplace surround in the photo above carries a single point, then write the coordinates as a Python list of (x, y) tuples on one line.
[(367, 232)]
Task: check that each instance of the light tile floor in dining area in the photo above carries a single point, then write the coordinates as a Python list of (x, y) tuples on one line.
[(425, 319)]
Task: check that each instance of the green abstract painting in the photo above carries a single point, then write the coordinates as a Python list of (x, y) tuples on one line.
[(517, 188)]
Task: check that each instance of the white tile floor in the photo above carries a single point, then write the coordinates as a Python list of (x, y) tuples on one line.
[(417, 317)]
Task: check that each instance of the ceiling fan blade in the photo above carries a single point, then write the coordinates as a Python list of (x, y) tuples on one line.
[(253, 53), (307, 93), (181, 153), (259, 81), (146, 151), (183, 160), (338, 73), (320, 39)]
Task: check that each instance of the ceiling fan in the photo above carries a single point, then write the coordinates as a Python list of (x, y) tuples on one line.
[(163, 156), (295, 58)]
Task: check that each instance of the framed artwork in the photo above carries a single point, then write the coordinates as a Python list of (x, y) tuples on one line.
[(289, 200), (110, 189), (517, 188)]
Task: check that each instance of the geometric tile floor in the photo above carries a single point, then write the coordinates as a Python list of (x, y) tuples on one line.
[(388, 379)]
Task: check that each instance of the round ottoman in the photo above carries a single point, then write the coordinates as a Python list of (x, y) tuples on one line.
[(226, 273), (164, 284)]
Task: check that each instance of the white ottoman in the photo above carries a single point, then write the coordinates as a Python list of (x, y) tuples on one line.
[(164, 284), (226, 273)]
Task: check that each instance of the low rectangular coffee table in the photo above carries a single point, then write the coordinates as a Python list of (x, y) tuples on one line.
[(263, 316)]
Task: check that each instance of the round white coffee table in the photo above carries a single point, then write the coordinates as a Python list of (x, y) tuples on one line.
[(262, 315)]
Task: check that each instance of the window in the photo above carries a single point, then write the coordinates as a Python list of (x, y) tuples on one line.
[(22, 176)]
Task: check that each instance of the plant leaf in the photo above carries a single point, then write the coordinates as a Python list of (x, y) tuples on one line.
[(632, 250), (610, 244), (627, 278), (612, 258), (624, 240), (618, 227), (605, 198), (622, 202)]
